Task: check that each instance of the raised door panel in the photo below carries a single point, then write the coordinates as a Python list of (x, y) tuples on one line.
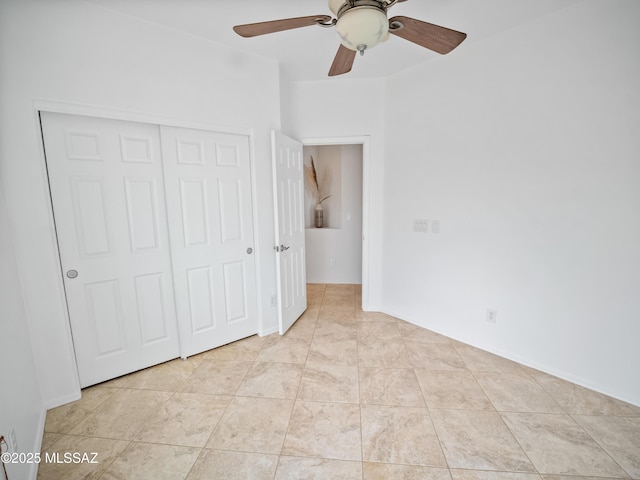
[(156, 322), (230, 211), (91, 228), (194, 215), (136, 149), (201, 299), (142, 212), (235, 290), (105, 317)]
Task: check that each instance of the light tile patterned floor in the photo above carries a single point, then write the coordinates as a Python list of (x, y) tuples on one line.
[(344, 395)]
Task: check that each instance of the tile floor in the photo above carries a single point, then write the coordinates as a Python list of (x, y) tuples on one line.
[(344, 395)]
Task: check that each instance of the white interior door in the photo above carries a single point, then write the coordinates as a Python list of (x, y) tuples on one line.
[(289, 218), (108, 199), (208, 188)]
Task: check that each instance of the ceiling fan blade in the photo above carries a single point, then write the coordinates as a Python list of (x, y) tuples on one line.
[(261, 28), (427, 35), (342, 62)]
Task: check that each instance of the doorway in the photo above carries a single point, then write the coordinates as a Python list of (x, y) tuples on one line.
[(333, 227)]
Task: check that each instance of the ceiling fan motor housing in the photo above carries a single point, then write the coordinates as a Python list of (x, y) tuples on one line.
[(361, 24)]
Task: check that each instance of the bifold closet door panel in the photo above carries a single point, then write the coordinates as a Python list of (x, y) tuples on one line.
[(209, 206), (107, 189)]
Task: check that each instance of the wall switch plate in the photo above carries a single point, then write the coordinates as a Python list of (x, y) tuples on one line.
[(332, 262), (435, 226), (273, 300), (421, 226), (492, 315)]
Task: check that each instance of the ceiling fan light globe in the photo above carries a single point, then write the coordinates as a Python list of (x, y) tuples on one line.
[(362, 26)]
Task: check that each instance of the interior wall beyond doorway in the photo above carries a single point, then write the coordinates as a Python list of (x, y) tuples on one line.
[(334, 252)]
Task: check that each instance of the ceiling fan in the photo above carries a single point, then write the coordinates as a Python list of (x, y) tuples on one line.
[(361, 25)]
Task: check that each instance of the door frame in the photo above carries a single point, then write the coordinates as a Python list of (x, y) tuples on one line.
[(131, 116), (363, 140)]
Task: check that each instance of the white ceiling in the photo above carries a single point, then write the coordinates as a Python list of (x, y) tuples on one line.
[(307, 53)]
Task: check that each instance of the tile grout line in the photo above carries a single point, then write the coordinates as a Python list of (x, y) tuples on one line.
[(295, 400), (426, 405)]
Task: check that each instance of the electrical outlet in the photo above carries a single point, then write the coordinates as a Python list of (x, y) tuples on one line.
[(13, 441), (332, 262), (492, 315)]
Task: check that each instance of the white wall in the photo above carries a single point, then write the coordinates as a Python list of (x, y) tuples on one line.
[(334, 254), (347, 108), (327, 160), (73, 52), (525, 146), (20, 400)]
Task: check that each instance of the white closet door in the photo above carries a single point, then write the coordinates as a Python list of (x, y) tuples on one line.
[(108, 199), (208, 191)]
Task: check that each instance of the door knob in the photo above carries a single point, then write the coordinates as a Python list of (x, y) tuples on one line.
[(249, 250), (283, 248), (72, 273)]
